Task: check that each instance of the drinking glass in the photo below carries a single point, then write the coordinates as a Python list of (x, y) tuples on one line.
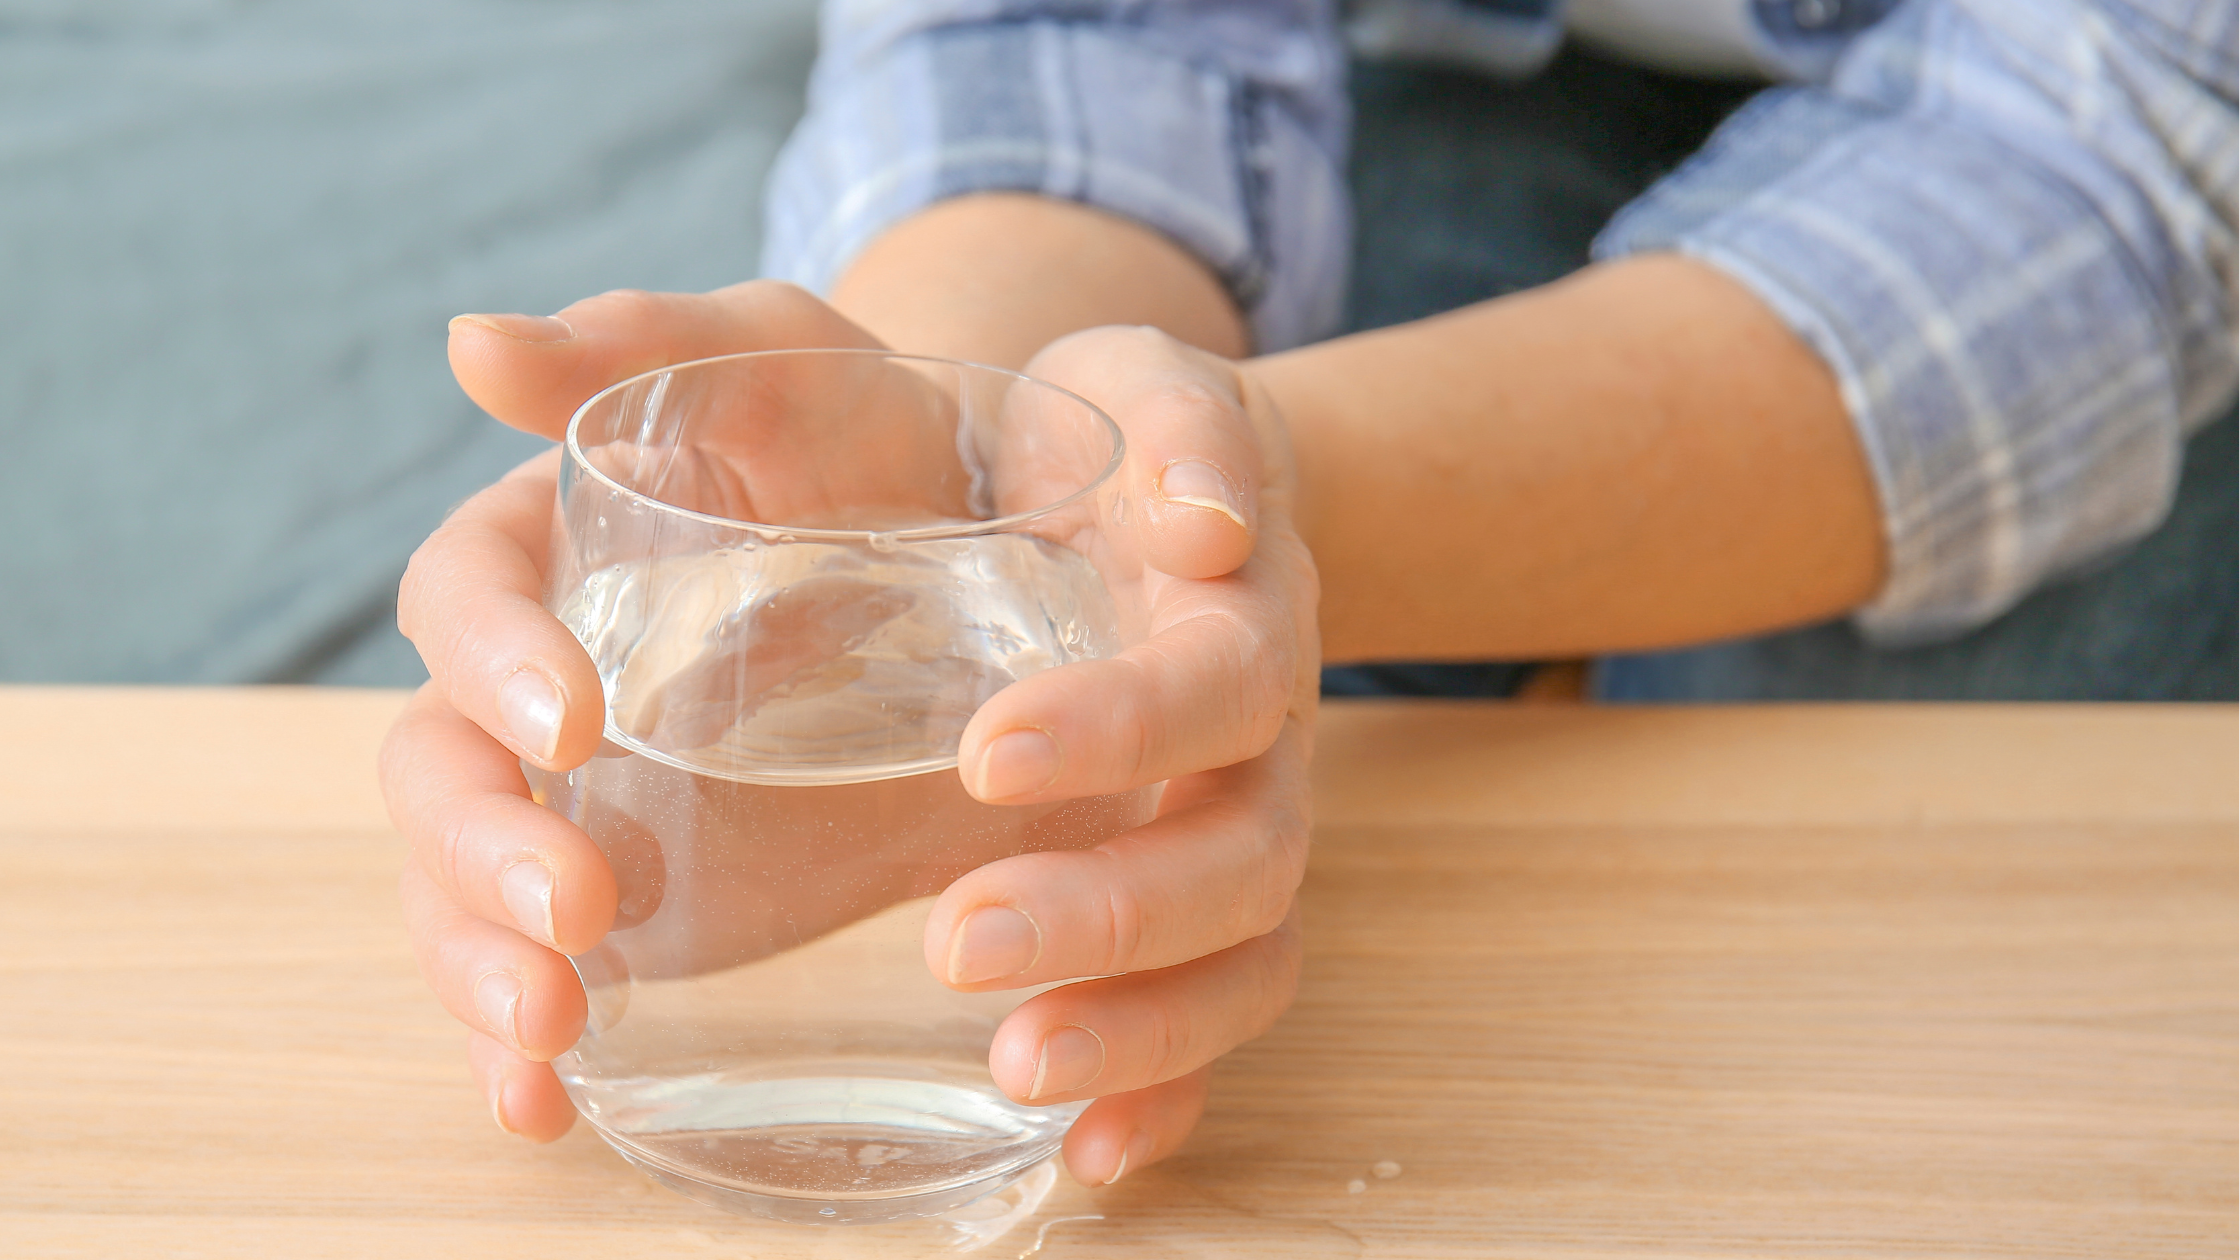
[(799, 573)]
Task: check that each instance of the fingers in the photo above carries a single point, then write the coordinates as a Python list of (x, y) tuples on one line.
[(1194, 455), (485, 855), (471, 598), (1210, 688), (1232, 649), (491, 978), (532, 372), (1123, 1033), (1222, 868), (472, 603), (525, 1097), (460, 801), (1122, 1133)]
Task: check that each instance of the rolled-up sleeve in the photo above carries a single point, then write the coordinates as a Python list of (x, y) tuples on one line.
[(1222, 125), (2008, 226)]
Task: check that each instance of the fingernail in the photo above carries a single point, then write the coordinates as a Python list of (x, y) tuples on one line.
[(1136, 1151), (541, 329), (991, 943), (1071, 1058), (1200, 485), (1019, 762), (498, 1113), (530, 705), (497, 998), (527, 889)]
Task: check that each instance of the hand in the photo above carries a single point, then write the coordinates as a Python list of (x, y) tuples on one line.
[(1197, 907), (1193, 907)]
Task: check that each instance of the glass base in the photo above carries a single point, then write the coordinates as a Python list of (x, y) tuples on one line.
[(792, 1211), (828, 1148)]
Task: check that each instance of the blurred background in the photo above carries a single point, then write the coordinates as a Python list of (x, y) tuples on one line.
[(232, 233), (235, 230)]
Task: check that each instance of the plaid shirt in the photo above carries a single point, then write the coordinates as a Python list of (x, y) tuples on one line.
[(2007, 225)]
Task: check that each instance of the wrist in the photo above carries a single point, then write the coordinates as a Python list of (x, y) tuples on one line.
[(994, 277), (1640, 456)]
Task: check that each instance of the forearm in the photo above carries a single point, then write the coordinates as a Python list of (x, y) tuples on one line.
[(994, 277), (1640, 456)]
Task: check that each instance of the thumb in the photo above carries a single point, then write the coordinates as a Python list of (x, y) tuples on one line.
[(532, 372), (1194, 460)]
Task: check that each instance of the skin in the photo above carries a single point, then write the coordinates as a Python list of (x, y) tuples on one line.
[(1190, 915), (1641, 455), (1664, 461)]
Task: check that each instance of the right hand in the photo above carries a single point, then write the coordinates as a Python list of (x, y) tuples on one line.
[(1189, 916)]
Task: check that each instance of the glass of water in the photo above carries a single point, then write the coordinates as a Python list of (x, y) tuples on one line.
[(799, 573)]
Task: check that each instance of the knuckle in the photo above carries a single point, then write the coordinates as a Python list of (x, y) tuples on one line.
[(1143, 337), (1259, 653), (1279, 865), (1124, 920), (448, 841), (784, 297), (623, 308), (452, 659), (1191, 400), (1109, 339), (1273, 977), (1289, 956), (462, 840), (412, 588), (439, 599), (1109, 353), (1167, 1044), (628, 302), (1264, 871), (1300, 575), (411, 897), (1281, 984), (1137, 727), (393, 765)]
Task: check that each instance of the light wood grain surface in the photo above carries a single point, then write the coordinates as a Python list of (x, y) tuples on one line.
[(1826, 982)]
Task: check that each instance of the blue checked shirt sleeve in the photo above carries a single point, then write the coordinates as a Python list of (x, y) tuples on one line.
[(2008, 226), (1221, 124)]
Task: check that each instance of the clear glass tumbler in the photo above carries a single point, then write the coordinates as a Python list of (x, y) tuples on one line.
[(799, 574)]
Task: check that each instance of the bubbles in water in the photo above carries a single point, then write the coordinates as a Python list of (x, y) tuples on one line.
[(883, 542), (1384, 1170), (828, 1211), (1356, 1186)]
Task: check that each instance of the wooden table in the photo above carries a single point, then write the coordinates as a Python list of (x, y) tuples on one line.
[(1758, 982)]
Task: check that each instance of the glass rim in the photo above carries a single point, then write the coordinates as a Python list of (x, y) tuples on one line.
[(920, 533)]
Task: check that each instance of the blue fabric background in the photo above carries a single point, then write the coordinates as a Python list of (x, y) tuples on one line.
[(230, 238)]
